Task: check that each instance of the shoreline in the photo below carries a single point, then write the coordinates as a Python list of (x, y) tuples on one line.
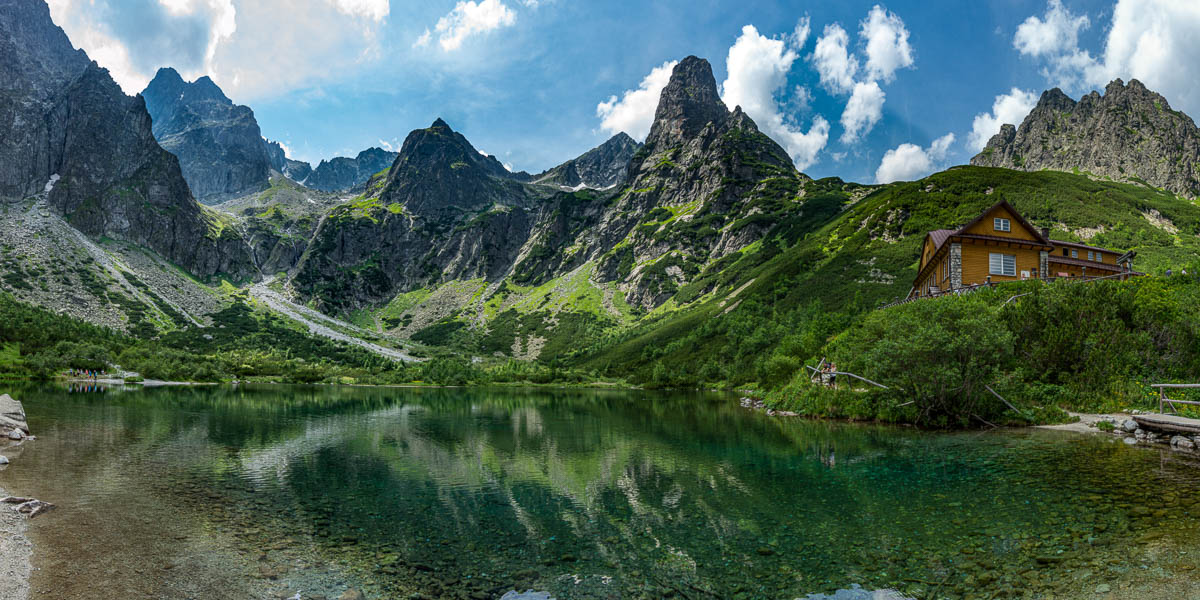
[(149, 383), (16, 553)]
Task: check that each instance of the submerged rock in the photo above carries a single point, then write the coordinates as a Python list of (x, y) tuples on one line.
[(29, 506), (527, 595), (3, 460), (12, 417), (856, 592)]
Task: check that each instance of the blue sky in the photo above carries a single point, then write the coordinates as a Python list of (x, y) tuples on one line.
[(862, 90)]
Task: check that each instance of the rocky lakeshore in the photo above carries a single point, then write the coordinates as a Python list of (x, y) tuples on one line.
[(15, 548), (15, 552)]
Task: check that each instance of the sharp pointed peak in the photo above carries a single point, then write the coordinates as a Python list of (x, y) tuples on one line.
[(439, 122), (168, 73)]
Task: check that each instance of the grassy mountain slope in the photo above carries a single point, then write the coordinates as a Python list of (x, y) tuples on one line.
[(779, 303)]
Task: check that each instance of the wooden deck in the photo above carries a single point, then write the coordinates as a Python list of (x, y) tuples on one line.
[(1168, 423)]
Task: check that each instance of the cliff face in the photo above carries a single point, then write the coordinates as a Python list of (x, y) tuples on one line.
[(75, 136), (444, 212), (344, 173), (599, 168), (1128, 134), (703, 187), (292, 169), (218, 143)]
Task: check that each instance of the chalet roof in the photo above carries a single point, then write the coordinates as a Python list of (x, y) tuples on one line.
[(1062, 260), (997, 238), (939, 236), (1037, 233), (1083, 246)]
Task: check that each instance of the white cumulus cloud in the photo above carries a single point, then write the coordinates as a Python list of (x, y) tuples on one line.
[(863, 111), (1057, 31), (910, 161), (886, 44), (758, 68), (633, 112), (799, 35), (469, 18), (1010, 108), (1154, 41), (375, 10), (833, 61), (251, 48), (883, 38)]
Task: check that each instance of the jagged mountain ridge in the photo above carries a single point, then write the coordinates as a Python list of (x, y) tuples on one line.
[(77, 140), (1129, 133), (343, 173), (706, 185), (443, 212), (218, 143), (601, 167), (292, 169)]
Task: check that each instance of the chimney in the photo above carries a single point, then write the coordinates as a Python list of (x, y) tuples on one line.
[(1046, 232)]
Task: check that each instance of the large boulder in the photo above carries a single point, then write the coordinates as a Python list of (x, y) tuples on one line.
[(12, 416)]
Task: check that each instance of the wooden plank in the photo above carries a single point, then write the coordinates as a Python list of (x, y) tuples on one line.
[(861, 378), (1168, 423)]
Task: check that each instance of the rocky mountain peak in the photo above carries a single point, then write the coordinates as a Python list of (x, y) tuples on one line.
[(1055, 99), (218, 143), (438, 169), (72, 137), (1128, 133), (292, 169), (601, 167), (205, 88), (344, 173), (688, 103)]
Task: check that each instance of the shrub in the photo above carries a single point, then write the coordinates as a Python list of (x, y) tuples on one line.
[(938, 354)]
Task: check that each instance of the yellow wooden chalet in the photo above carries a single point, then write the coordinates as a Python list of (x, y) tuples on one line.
[(1000, 245)]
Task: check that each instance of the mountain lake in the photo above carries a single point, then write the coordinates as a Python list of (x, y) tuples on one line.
[(328, 492)]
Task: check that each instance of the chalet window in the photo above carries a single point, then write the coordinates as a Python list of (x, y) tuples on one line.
[(1002, 264), (1002, 225), (1066, 252), (1091, 256), (1074, 254)]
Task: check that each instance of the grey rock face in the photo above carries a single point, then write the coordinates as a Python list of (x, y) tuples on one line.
[(218, 143), (292, 169), (12, 415), (445, 212), (344, 173), (1129, 133), (601, 167), (66, 117), (707, 166)]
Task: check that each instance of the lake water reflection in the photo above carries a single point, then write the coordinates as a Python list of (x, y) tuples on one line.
[(266, 491)]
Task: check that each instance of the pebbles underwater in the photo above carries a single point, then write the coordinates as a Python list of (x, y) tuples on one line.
[(475, 494)]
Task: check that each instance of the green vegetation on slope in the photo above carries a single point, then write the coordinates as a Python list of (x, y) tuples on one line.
[(244, 343), (814, 274), (1085, 346)]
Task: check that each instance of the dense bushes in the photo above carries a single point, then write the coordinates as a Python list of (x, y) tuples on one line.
[(1080, 346), (939, 354), (242, 344)]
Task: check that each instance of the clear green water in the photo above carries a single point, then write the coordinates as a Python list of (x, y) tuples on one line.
[(465, 493)]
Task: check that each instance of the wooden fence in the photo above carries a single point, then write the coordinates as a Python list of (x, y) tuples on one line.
[(1164, 400)]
